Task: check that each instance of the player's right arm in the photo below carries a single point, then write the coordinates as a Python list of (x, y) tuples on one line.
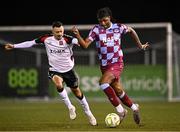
[(83, 42), (25, 44)]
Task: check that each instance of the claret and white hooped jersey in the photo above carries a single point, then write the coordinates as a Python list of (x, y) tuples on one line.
[(108, 42), (59, 52)]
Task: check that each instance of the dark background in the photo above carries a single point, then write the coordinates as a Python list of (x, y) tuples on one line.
[(84, 12)]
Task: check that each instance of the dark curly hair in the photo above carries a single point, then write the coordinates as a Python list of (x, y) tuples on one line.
[(104, 12)]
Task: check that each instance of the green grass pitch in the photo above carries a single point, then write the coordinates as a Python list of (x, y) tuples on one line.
[(53, 116)]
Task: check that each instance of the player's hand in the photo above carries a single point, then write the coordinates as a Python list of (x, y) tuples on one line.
[(75, 30), (9, 46), (145, 46)]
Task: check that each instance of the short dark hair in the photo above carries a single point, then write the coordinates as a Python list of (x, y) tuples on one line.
[(104, 12), (57, 24)]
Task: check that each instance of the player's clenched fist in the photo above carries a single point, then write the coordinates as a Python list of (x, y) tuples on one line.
[(9, 46), (75, 30)]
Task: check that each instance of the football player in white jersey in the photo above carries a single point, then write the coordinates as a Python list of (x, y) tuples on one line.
[(107, 35), (61, 62)]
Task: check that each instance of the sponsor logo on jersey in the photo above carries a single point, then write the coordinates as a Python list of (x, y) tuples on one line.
[(57, 51)]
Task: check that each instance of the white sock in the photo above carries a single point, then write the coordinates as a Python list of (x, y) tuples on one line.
[(119, 108), (65, 98), (134, 107), (85, 105)]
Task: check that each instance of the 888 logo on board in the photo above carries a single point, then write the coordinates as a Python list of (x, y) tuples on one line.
[(22, 78)]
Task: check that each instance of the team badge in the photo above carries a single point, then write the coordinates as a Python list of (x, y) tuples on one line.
[(60, 42), (116, 30)]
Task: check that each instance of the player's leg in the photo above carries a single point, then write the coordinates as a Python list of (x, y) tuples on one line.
[(82, 100), (126, 100), (116, 70), (105, 82), (58, 81), (71, 80)]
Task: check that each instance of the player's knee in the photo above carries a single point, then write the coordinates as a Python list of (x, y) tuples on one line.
[(59, 87), (101, 82), (119, 92)]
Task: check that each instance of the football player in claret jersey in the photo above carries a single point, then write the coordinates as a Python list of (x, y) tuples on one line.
[(107, 36), (61, 63)]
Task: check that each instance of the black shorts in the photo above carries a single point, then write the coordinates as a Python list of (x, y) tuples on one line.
[(70, 78)]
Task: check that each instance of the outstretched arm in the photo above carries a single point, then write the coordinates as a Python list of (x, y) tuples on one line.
[(25, 44), (137, 40), (83, 42)]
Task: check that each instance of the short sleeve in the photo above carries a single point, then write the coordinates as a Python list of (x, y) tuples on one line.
[(93, 33), (42, 38), (124, 28)]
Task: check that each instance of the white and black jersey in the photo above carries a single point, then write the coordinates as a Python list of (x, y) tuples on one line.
[(59, 52)]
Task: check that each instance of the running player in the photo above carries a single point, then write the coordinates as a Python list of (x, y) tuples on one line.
[(107, 36), (61, 62)]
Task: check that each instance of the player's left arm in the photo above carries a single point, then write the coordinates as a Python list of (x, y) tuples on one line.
[(135, 37)]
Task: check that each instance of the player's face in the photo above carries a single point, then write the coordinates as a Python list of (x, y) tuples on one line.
[(58, 32), (105, 22)]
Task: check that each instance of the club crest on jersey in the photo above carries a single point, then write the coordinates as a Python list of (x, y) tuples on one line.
[(116, 30), (60, 42)]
